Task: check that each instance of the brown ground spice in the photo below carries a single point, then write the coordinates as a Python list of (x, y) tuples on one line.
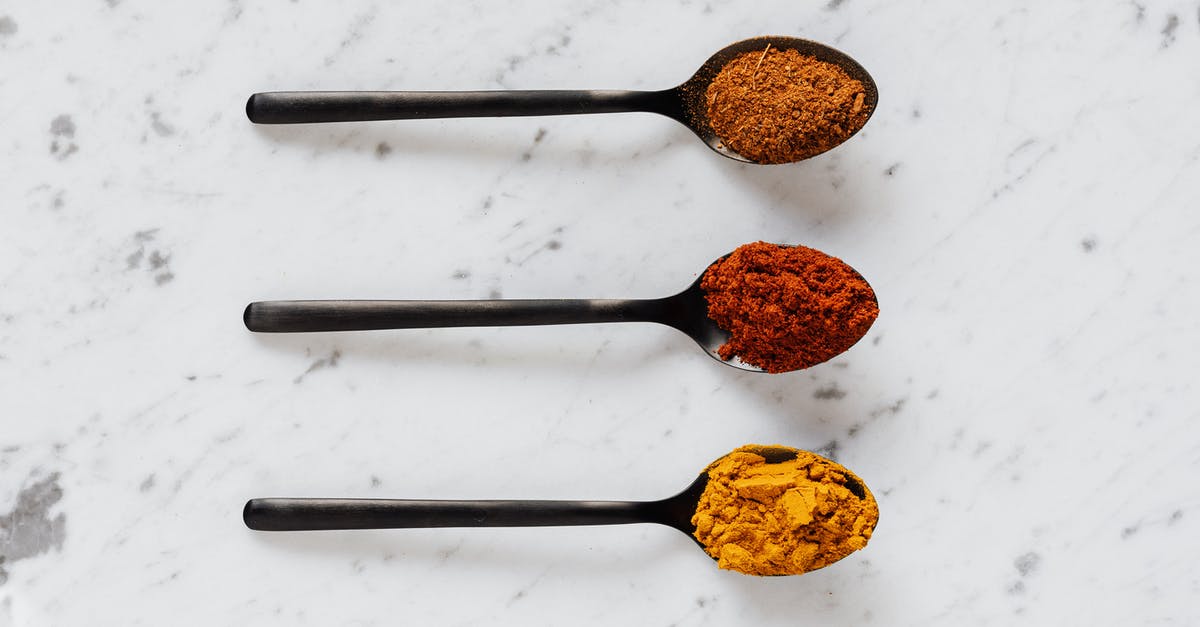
[(777, 106), (785, 518), (787, 307)]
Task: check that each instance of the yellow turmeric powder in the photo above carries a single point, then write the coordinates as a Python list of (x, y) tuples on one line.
[(788, 517)]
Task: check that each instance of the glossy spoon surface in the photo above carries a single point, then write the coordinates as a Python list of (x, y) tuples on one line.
[(686, 311), (685, 103), (311, 514)]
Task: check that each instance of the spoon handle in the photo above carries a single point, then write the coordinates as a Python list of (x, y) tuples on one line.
[(303, 514), (299, 107), (291, 316)]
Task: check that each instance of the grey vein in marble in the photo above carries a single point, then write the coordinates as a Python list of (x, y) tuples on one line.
[(28, 529)]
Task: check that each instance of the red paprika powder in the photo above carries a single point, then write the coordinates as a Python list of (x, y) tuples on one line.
[(787, 307)]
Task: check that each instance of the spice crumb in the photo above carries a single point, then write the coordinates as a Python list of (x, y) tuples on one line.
[(760, 59)]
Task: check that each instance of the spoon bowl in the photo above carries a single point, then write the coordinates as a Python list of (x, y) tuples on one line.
[(692, 94), (688, 312), (686, 103)]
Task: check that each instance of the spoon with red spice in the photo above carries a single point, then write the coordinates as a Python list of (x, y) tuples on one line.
[(763, 307), (745, 99)]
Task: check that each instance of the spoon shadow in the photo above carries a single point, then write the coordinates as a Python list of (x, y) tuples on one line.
[(821, 191), (523, 548), (825, 409), (504, 348), (380, 141)]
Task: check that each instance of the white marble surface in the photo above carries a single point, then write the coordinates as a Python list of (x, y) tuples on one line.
[(1024, 201)]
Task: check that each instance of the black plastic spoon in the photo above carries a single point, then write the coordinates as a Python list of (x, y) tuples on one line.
[(309, 514), (685, 103)]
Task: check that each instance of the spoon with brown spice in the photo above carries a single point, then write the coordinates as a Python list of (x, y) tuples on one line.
[(763, 307), (760, 510), (761, 100)]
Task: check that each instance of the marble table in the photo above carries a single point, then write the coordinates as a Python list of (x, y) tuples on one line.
[(1024, 201)]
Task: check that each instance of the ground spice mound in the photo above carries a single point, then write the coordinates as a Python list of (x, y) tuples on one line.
[(777, 106), (787, 307), (783, 518)]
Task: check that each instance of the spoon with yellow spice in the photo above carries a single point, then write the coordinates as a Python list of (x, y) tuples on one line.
[(760, 510), (761, 100)]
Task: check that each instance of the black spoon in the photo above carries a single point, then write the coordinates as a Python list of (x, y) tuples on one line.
[(307, 514), (686, 311), (685, 103)]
